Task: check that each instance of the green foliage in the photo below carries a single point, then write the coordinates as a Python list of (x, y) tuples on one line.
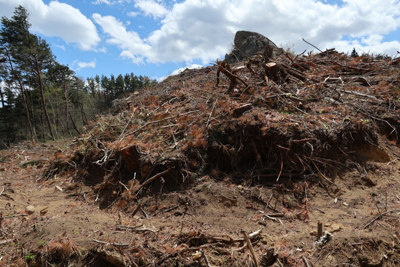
[(43, 98)]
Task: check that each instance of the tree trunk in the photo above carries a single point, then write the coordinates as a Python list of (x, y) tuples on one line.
[(42, 124), (66, 105), (42, 97), (5, 119), (73, 122), (28, 120)]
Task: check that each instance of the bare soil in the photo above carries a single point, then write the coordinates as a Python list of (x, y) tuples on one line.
[(208, 215), (181, 174)]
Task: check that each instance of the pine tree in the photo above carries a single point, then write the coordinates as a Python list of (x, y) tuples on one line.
[(354, 53), (13, 34)]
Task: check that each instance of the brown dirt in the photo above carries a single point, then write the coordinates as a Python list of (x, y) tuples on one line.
[(166, 187), (206, 211)]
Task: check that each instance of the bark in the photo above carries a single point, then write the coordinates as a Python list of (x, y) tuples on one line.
[(28, 120), (5, 120), (66, 104), (73, 123), (42, 97)]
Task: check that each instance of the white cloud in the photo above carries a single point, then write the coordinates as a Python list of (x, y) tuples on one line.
[(177, 71), (204, 29), (56, 19), (81, 65), (132, 46), (151, 8), (107, 2), (60, 46), (132, 14), (102, 49), (99, 2)]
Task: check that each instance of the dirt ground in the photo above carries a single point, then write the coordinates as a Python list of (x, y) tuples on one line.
[(291, 161), (210, 215)]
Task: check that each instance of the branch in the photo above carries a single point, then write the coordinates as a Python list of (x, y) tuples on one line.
[(153, 178), (107, 243), (379, 216)]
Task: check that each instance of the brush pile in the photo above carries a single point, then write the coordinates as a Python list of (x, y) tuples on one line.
[(282, 124), (262, 121)]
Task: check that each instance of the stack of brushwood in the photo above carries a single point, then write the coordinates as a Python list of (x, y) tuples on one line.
[(264, 120)]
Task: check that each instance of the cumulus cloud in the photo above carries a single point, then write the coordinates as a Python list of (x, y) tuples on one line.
[(60, 46), (151, 8), (132, 46), (108, 2), (132, 14), (81, 65), (177, 71), (204, 29), (56, 20)]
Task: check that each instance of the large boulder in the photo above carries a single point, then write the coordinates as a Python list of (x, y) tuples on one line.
[(250, 43)]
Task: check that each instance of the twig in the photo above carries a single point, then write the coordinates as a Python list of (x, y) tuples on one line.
[(107, 243), (171, 255), (126, 126), (15, 215), (209, 117), (276, 215), (173, 135), (312, 45), (390, 162), (172, 208), (323, 176), (153, 178), (133, 228), (251, 248), (205, 257), (5, 241), (126, 188), (279, 175), (271, 218), (379, 216), (2, 191), (136, 210), (320, 210), (144, 213), (305, 261)]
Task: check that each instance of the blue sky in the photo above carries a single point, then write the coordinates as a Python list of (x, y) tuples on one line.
[(155, 38)]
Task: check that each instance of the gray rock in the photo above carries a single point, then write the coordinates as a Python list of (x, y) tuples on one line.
[(250, 43)]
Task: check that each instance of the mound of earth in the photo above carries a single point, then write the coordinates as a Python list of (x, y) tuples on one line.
[(291, 161)]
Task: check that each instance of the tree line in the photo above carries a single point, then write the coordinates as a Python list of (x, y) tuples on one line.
[(42, 99)]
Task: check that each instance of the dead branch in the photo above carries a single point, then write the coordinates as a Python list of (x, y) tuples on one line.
[(107, 243), (126, 126), (379, 216), (251, 248), (224, 68), (5, 241), (133, 228), (136, 210), (312, 45), (158, 175), (209, 117), (205, 257), (306, 261)]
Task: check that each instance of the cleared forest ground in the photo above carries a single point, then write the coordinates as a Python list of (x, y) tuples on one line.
[(179, 174)]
